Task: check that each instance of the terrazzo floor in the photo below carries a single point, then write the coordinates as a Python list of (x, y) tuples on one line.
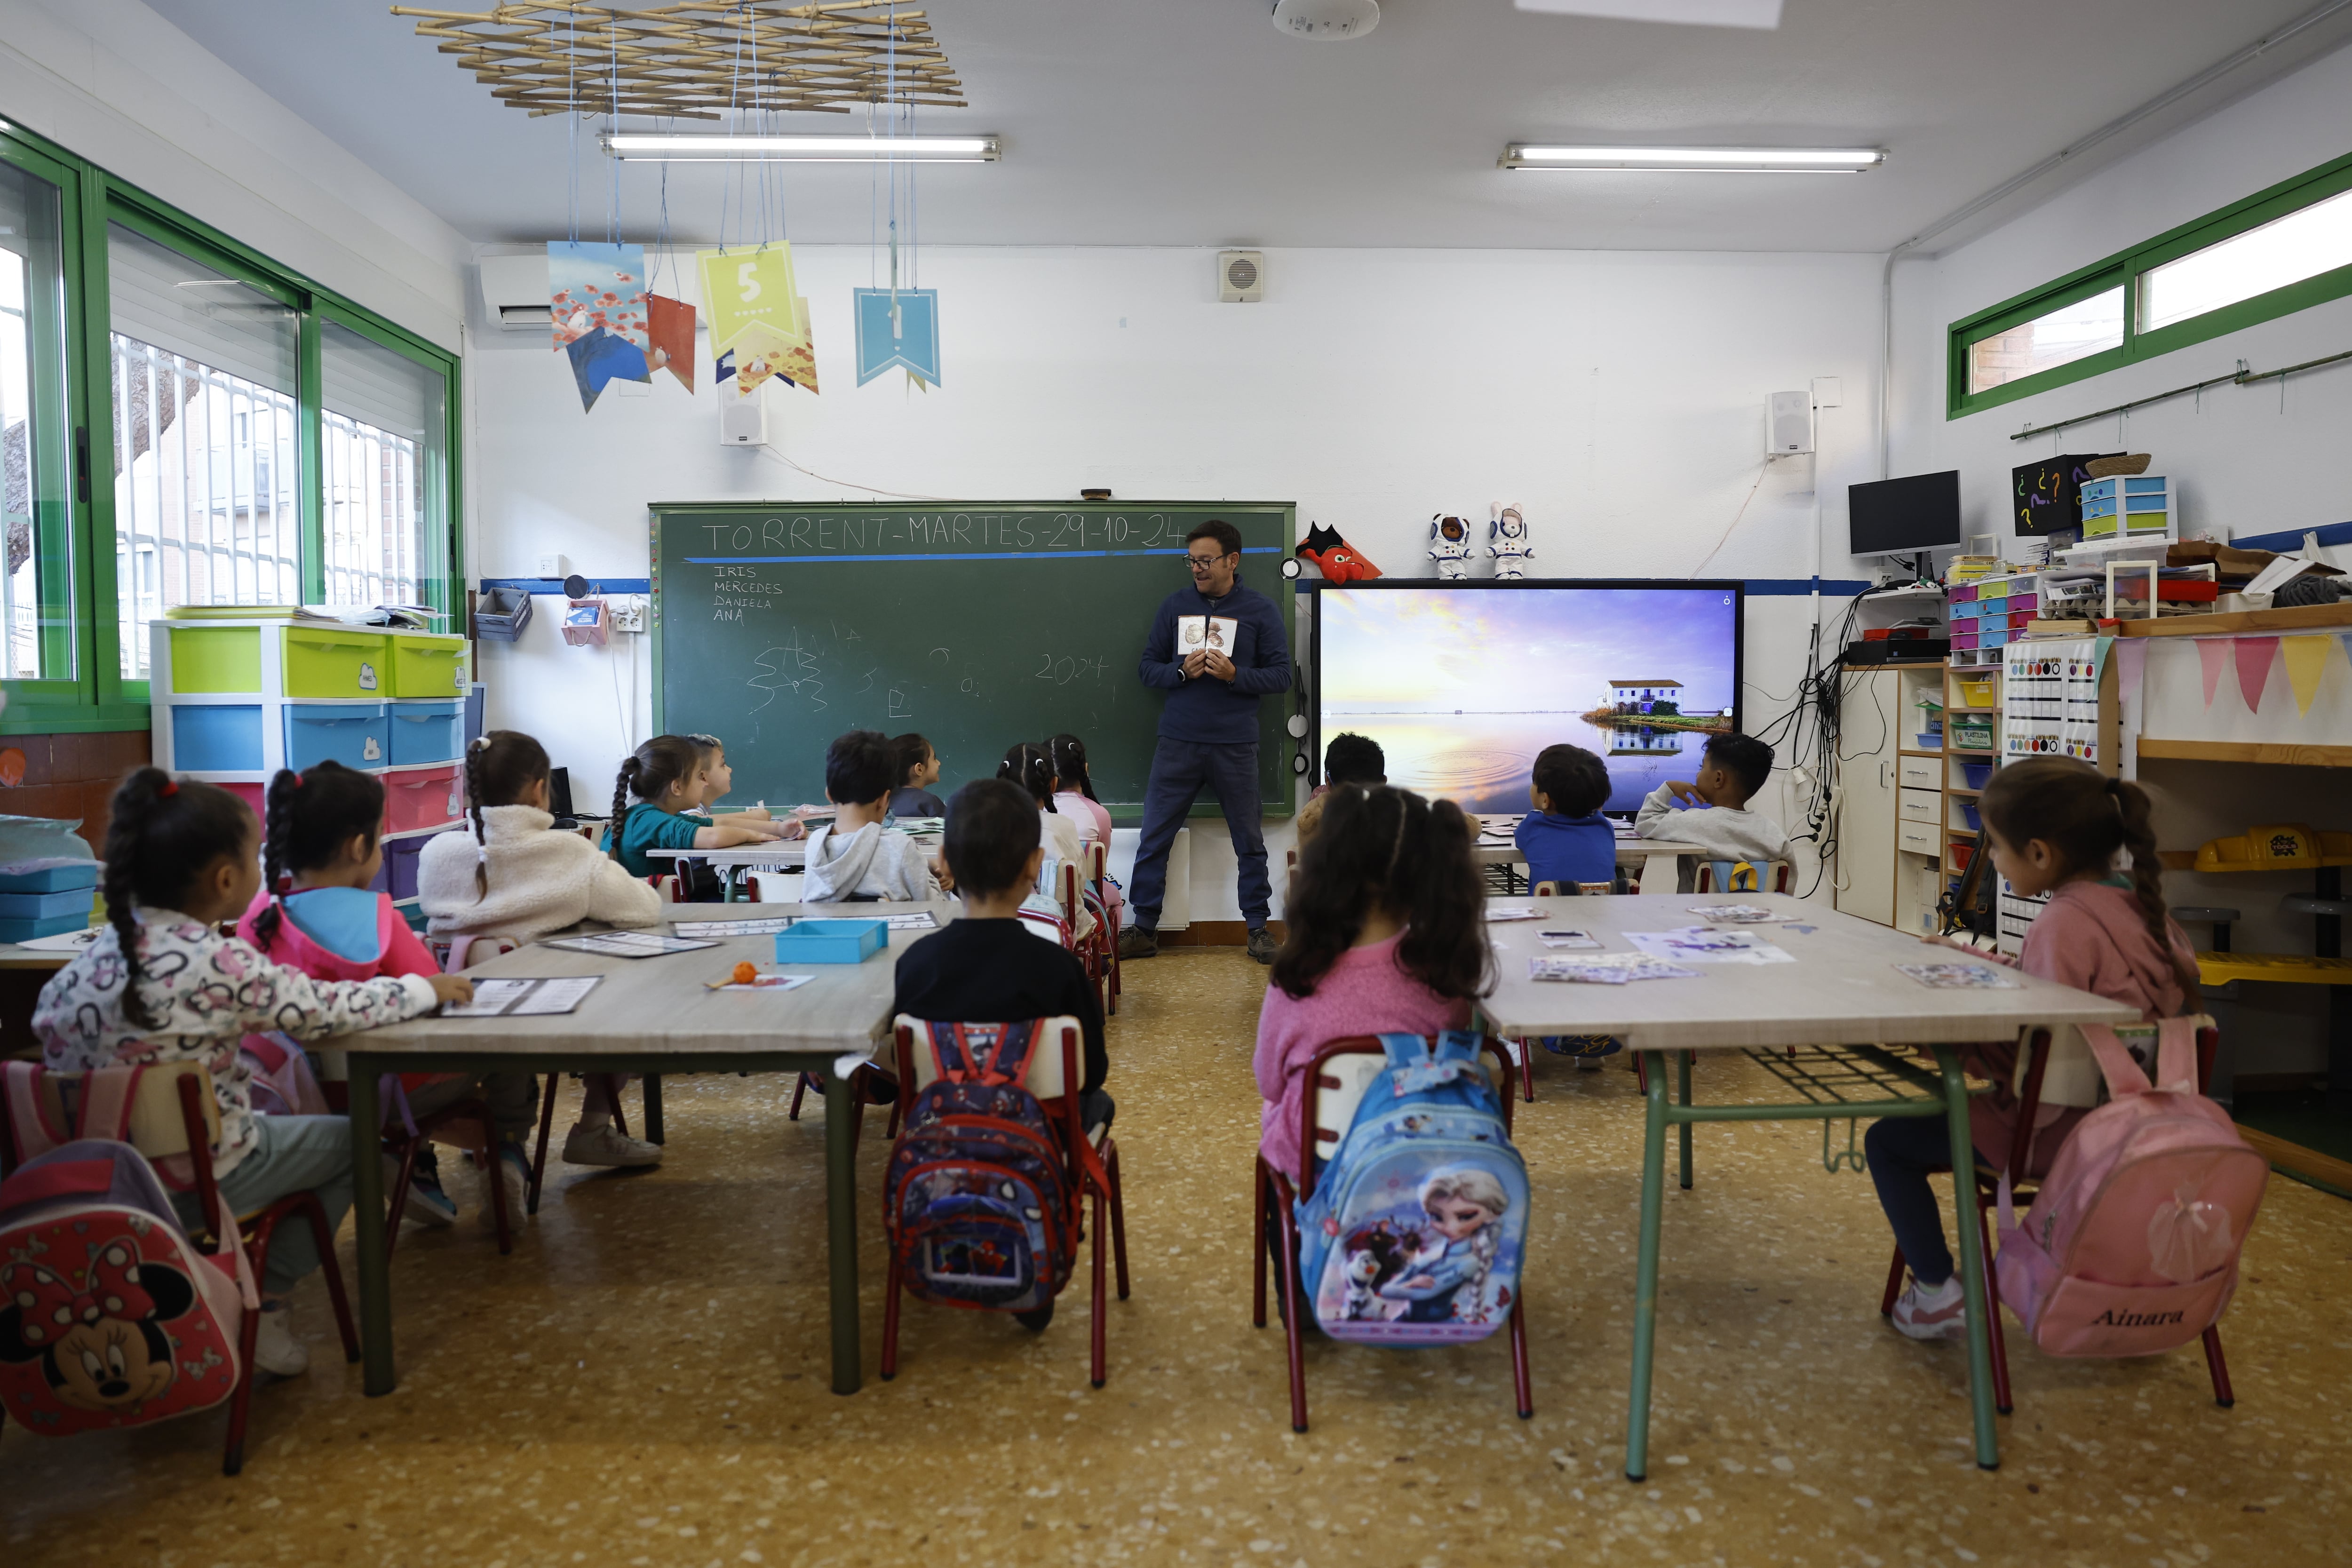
[(645, 1382)]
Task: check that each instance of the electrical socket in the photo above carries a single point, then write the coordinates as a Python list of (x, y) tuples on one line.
[(628, 615)]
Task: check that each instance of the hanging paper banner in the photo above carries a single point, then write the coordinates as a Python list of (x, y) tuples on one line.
[(900, 328), (2306, 659), (591, 285), (2131, 669), (2212, 652), (669, 333), (599, 359), (759, 353), (743, 289), (2254, 655)]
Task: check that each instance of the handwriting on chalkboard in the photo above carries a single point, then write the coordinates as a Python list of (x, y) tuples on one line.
[(1063, 670), (733, 545), (790, 668)]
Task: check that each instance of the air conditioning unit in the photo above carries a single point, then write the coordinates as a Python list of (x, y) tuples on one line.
[(742, 421), (1788, 423), (514, 293), (1241, 276)]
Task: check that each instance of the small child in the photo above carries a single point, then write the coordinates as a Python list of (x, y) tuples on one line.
[(318, 912), (714, 778), (517, 875), (162, 984), (858, 857), (917, 768), (1565, 838), (1734, 767), (1353, 759), (1387, 932), (2057, 826), (1030, 767), (1074, 797), (665, 774)]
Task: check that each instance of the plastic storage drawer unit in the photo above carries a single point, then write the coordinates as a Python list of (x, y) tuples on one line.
[(426, 667), (352, 734), (216, 737), (76, 901), (398, 874), (427, 797), (52, 879), (327, 661), (215, 659), (254, 794), (427, 732)]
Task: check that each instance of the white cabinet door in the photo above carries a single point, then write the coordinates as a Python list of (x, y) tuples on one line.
[(1869, 723)]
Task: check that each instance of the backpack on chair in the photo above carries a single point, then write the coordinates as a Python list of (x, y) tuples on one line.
[(2131, 1246)]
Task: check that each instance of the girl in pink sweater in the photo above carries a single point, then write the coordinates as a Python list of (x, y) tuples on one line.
[(1387, 934), (2059, 826)]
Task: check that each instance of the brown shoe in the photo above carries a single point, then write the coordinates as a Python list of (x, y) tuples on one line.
[(1139, 942)]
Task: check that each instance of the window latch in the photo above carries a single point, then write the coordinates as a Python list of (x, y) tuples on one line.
[(82, 463)]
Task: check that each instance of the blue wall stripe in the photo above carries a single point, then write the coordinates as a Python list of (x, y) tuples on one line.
[(2289, 541)]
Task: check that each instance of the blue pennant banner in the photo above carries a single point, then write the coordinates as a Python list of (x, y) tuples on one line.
[(911, 339)]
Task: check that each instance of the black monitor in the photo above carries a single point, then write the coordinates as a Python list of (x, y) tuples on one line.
[(1905, 517)]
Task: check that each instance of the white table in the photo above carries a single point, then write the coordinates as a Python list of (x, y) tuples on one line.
[(1656, 862), (1842, 990), (651, 1015)]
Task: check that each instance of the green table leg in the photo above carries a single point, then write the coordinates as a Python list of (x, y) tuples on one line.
[(1683, 1098), (1972, 1260), (367, 1216), (841, 1228), (1645, 1278)]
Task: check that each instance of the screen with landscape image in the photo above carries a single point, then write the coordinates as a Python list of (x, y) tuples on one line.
[(1462, 685)]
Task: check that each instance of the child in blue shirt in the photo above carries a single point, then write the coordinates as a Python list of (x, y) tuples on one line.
[(664, 777), (1565, 838)]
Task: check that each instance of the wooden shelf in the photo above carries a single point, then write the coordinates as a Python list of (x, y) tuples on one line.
[(2278, 968), (1955, 789), (1961, 831), (1974, 752), (1915, 752), (2275, 752), (2297, 619)]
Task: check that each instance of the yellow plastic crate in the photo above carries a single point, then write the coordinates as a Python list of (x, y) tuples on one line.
[(329, 661), (427, 667), (217, 658), (1985, 693)]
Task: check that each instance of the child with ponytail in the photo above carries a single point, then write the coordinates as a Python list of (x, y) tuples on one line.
[(512, 872), (2052, 826), (1074, 797), (657, 783), (162, 984), (1032, 768)]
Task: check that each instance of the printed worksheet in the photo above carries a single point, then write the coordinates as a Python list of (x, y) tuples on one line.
[(693, 929), (767, 982), (1732, 914), (523, 998), (626, 944), (1708, 944), (1497, 912), (1607, 969), (1961, 976), (1570, 937)]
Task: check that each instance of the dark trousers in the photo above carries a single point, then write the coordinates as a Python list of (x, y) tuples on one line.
[(1900, 1152), (1178, 770)]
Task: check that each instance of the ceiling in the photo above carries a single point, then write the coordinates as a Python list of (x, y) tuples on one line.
[(1194, 123)]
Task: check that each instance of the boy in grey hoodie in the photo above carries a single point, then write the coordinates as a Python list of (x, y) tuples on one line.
[(1733, 768), (856, 859)]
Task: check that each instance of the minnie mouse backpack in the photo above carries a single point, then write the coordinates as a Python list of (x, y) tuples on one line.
[(109, 1315)]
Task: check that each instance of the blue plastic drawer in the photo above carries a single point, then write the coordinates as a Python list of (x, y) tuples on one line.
[(832, 941), (352, 734), (52, 879), (54, 925), (48, 906), (215, 740), (427, 732)]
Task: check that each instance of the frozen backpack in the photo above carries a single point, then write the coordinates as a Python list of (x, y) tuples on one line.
[(1417, 1227), (2131, 1245), (109, 1315), (976, 1202)]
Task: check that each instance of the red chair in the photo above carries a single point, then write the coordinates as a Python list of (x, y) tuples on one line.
[(1335, 1081), (1097, 871), (1987, 1193), (1090, 1170)]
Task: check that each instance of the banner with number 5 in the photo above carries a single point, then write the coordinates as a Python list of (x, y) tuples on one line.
[(746, 287)]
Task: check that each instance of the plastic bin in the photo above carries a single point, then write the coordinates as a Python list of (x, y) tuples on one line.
[(54, 925), (427, 731), (501, 614), (216, 738), (426, 667), (427, 797), (1968, 814), (83, 874), (352, 734), (215, 659), (1977, 775), (399, 858), (47, 906), (256, 796), (329, 661), (832, 941), (1961, 854), (1972, 736), (1979, 692)]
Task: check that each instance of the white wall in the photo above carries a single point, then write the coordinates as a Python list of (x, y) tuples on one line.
[(1617, 396)]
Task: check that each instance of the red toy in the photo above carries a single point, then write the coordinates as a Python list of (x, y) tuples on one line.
[(1339, 561)]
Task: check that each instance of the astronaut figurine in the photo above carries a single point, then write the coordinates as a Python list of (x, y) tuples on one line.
[(1507, 540), (1451, 549)]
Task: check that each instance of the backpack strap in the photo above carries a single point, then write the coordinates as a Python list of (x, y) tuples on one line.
[(1008, 1056), (28, 1119), (107, 1094), (2123, 1074), (2176, 1054), (1009, 1061)]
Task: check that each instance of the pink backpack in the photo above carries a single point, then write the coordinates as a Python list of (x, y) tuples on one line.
[(2131, 1245)]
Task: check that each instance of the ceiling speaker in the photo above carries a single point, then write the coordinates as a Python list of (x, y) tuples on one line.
[(1241, 276)]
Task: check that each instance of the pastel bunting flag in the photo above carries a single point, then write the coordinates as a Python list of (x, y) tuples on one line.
[(2212, 652), (2254, 655), (2306, 659), (2131, 662)]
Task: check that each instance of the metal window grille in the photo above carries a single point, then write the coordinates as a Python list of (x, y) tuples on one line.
[(375, 512), (20, 609)]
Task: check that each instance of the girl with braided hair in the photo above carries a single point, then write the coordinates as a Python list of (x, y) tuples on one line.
[(162, 984), (1074, 797), (511, 872), (2054, 825), (657, 783)]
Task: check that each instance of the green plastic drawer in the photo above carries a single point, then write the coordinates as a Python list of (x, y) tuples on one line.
[(427, 667), (328, 661), (217, 658)]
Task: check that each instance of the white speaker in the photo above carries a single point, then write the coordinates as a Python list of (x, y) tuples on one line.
[(1241, 276), (742, 421), (1788, 423)]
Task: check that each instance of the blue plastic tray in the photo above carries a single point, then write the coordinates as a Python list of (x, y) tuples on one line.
[(832, 941), (55, 925), (75, 901), (52, 879)]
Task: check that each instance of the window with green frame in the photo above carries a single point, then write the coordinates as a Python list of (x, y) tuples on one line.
[(2278, 251), (183, 421)]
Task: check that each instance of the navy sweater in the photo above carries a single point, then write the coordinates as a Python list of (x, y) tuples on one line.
[(1205, 708)]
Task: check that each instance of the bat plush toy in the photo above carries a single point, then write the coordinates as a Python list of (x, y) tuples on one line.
[(1339, 561)]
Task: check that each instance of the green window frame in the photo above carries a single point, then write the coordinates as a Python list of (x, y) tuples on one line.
[(98, 697), (2127, 269)]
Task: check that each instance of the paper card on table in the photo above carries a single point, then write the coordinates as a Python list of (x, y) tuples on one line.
[(1498, 912), (745, 288), (1568, 937), (516, 998), (1708, 944), (669, 336), (1607, 969), (71, 941), (1733, 914), (769, 982), (592, 285), (920, 920), (691, 928), (626, 944), (1961, 976)]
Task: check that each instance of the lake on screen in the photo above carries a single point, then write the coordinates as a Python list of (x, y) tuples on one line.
[(1483, 760)]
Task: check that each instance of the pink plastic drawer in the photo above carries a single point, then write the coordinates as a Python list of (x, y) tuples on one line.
[(1964, 640), (1964, 592), (253, 794), (421, 797)]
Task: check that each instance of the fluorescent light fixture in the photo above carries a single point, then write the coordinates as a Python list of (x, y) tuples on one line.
[(1697, 160), (719, 147), (1689, 13)]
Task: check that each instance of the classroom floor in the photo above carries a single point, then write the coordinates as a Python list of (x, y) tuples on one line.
[(644, 1382)]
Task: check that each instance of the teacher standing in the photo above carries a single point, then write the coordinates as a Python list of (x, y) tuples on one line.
[(1208, 732)]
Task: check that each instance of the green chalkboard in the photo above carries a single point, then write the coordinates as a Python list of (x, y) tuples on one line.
[(778, 625)]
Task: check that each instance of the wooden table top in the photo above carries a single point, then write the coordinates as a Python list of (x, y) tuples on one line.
[(1842, 989), (659, 1006)]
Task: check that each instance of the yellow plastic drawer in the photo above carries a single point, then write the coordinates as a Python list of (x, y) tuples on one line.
[(328, 661), (427, 667), (217, 658)]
